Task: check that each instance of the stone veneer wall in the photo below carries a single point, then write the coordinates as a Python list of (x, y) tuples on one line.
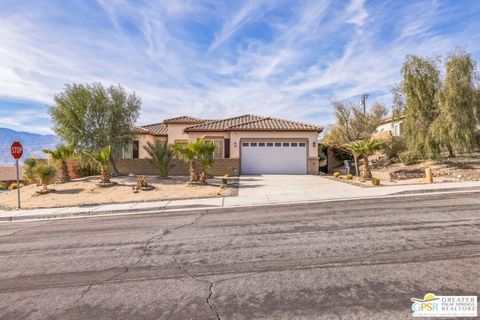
[(143, 166)]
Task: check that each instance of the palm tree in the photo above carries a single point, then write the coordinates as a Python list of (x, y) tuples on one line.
[(205, 157), (160, 157), (189, 153), (364, 149), (45, 173), (28, 165), (60, 155), (102, 158)]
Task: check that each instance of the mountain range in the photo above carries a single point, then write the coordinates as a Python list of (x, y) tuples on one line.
[(32, 144)]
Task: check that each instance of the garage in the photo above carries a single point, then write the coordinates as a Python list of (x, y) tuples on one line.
[(273, 157)]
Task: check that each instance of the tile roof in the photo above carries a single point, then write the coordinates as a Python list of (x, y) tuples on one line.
[(137, 129), (391, 117), (9, 173), (184, 119), (253, 123), (158, 129)]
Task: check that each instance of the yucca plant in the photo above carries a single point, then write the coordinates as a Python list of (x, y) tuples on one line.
[(364, 149), (102, 158), (60, 155), (161, 155), (45, 173)]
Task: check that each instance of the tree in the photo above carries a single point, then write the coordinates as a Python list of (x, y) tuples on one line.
[(28, 169), (102, 158), (364, 149), (421, 85), (160, 157), (456, 124), (45, 173), (352, 123), (60, 155), (91, 117), (205, 157), (188, 152)]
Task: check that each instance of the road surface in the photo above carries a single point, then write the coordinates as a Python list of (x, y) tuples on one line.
[(337, 260)]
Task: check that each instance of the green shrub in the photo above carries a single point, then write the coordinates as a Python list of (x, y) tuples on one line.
[(3, 186), (85, 167), (336, 174), (393, 146), (28, 166), (375, 182), (45, 173), (408, 158), (13, 186), (349, 177)]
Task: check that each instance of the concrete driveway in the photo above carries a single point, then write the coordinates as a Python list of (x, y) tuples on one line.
[(292, 187)]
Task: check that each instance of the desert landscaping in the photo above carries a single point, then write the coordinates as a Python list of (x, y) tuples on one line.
[(85, 191)]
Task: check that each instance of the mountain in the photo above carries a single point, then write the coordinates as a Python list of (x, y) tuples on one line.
[(32, 144)]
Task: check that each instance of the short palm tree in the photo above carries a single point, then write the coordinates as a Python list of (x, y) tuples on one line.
[(189, 153), (205, 157), (60, 155), (161, 155), (364, 149), (102, 158), (45, 173), (28, 165)]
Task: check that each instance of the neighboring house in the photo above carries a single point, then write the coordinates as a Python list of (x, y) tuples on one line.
[(8, 175), (391, 124), (252, 144)]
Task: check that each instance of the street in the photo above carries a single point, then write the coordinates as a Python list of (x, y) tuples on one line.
[(358, 259)]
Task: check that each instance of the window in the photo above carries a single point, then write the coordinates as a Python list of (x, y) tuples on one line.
[(253, 144), (301, 144), (286, 144), (135, 151), (278, 144), (244, 144), (261, 144), (293, 144), (269, 144), (219, 148)]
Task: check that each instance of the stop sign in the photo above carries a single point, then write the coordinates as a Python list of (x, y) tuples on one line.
[(16, 150)]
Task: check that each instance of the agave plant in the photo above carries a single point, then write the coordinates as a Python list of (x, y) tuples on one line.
[(60, 155), (45, 174), (364, 149), (102, 158)]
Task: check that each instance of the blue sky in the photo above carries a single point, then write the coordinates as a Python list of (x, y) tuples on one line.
[(216, 58)]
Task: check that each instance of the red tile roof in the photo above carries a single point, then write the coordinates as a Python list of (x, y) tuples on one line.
[(158, 129), (253, 123), (9, 173), (184, 119)]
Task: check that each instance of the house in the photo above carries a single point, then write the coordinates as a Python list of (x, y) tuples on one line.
[(247, 144), (392, 124), (8, 175)]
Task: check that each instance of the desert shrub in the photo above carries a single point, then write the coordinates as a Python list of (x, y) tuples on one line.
[(349, 177), (142, 182), (84, 167), (393, 146), (336, 174), (45, 173), (28, 167), (408, 158), (375, 182), (3, 186), (341, 153)]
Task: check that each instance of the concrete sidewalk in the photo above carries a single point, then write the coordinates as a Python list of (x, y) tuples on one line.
[(254, 191)]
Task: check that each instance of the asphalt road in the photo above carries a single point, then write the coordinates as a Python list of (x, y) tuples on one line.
[(338, 260)]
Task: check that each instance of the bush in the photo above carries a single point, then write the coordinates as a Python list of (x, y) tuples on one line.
[(349, 177), (408, 158), (375, 182), (393, 146), (336, 174), (28, 166), (13, 186), (45, 173), (142, 182), (85, 167), (3, 186)]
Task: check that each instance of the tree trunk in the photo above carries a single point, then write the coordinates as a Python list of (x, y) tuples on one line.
[(45, 187), (367, 174), (104, 175), (451, 152), (193, 171), (65, 176), (356, 164), (114, 166)]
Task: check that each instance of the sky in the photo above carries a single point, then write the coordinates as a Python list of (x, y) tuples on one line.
[(213, 59)]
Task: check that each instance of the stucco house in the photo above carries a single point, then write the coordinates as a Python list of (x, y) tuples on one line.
[(391, 124), (249, 144)]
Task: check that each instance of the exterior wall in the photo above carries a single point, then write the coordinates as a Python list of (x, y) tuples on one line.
[(175, 132), (144, 167), (193, 136), (142, 141), (389, 127)]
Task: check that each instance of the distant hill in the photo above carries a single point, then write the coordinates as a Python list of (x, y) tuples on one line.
[(32, 144)]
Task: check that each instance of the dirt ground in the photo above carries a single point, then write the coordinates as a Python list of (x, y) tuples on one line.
[(86, 192), (393, 172)]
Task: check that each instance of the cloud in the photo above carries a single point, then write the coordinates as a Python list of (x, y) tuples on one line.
[(222, 58)]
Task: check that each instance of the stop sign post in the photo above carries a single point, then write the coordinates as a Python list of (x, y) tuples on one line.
[(17, 151)]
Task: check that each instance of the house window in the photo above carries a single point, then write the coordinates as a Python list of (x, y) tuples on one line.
[(244, 144), (278, 144), (293, 144), (219, 148), (286, 144), (301, 144), (135, 150), (269, 144), (253, 144), (261, 144)]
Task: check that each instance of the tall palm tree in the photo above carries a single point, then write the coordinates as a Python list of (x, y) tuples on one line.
[(161, 155), (60, 155), (205, 157), (364, 149), (102, 158)]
